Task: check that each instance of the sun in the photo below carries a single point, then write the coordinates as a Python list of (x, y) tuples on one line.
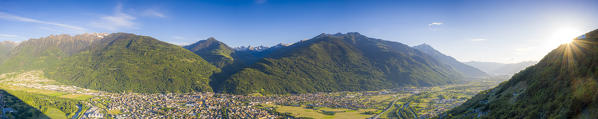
[(565, 35)]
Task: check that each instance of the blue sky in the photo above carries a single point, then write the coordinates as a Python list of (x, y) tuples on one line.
[(470, 30)]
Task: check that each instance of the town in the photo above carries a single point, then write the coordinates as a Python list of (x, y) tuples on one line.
[(426, 101), (215, 105)]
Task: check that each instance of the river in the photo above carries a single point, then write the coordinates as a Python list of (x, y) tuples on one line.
[(77, 114)]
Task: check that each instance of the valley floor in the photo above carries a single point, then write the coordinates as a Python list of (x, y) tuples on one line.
[(74, 102)]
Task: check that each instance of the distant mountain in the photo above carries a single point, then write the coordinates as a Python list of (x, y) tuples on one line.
[(35, 54), (5, 48), (127, 62), (464, 69), (339, 62), (501, 68), (562, 85), (251, 48), (213, 51)]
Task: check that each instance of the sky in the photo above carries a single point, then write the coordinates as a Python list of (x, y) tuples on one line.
[(505, 31)]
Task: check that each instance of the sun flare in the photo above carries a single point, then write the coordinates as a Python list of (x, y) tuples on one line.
[(565, 35)]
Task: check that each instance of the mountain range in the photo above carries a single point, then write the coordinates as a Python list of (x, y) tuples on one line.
[(494, 68), (5, 48), (122, 62), (466, 70), (339, 62), (562, 85)]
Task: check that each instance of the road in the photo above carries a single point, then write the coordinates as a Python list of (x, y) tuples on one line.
[(402, 108), (406, 105), (385, 110)]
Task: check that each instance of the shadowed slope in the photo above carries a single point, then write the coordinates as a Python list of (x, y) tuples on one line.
[(15, 108)]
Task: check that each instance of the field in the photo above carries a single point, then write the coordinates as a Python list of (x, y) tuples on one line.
[(55, 113), (32, 90), (411, 102), (35, 83), (319, 113), (429, 102)]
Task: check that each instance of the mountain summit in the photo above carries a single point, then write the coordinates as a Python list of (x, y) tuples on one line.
[(212, 50)]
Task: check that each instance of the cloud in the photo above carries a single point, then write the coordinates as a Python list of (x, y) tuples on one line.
[(31, 20), (11, 37), (153, 13), (3, 36), (435, 24), (478, 39), (117, 21)]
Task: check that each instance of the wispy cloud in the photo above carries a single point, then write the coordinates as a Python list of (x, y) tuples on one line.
[(116, 21), (11, 37), (31, 20), (153, 13), (2, 36), (478, 39), (435, 24)]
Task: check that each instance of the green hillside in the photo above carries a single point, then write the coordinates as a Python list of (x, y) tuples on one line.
[(36, 54), (562, 85), (340, 62), (126, 62), (213, 51)]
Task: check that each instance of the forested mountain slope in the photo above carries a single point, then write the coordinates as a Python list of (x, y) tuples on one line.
[(562, 85), (35, 54), (213, 51), (339, 62), (127, 62)]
